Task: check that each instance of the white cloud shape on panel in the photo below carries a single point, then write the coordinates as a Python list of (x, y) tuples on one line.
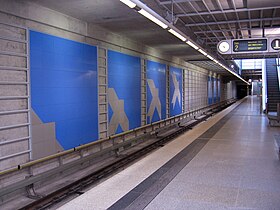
[(119, 116), (155, 104), (177, 93)]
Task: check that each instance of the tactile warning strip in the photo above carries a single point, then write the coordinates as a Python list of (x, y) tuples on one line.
[(146, 191)]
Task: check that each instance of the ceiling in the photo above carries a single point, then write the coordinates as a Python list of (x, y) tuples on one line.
[(206, 21)]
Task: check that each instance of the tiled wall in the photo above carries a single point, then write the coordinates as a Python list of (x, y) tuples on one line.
[(195, 90), (195, 87), (15, 147), (228, 90)]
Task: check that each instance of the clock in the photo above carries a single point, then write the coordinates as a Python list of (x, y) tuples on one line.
[(223, 46)]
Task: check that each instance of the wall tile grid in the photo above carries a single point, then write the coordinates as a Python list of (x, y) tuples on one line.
[(64, 82), (14, 81)]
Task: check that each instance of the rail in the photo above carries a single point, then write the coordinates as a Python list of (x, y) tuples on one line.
[(40, 170), (146, 128)]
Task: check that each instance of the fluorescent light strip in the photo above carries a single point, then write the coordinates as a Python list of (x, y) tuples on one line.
[(128, 3), (235, 74), (152, 18), (175, 33), (192, 45), (210, 57), (202, 52)]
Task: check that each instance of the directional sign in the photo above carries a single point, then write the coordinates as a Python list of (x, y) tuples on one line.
[(275, 44), (243, 46), (250, 45)]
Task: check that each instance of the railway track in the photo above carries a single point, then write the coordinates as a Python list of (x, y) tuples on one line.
[(77, 187)]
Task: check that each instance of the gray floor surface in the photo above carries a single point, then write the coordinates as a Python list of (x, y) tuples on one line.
[(237, 169), (228, 162)]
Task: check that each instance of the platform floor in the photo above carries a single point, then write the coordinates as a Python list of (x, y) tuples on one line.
[(227, 162)]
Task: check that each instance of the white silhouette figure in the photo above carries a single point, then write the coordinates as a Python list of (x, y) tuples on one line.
[(155, 104), (177, 93), (119, 116)]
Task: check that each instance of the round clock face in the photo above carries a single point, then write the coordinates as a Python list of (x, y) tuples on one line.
[(223, 46)]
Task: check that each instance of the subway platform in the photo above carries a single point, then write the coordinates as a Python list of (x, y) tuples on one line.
[(228, 162)]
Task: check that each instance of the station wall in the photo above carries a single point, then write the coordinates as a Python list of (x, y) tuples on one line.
[(214, 89), (175, 84), (215, 97), (195, 90), (64, 89), (156, 91), (92, 39), (219, 89), (124, 92), (210, 90), (228, 90)]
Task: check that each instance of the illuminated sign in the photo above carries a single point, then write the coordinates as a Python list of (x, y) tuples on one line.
[(243, 46), (250, 45)]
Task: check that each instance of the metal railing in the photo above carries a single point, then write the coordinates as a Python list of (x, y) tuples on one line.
[(112, 141), (27, 178)]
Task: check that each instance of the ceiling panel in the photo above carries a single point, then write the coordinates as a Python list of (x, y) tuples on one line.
[(262, 3), (206, 21)]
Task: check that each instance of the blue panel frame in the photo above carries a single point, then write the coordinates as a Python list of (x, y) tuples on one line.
[(219, 90), (64, 87), (214, 90), (176, 108), (124, 76), (210, 91), (157, 73)]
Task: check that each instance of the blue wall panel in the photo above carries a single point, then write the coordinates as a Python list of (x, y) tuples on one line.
[(64, 87), (156, 91), (124, 82), (219, 89), (210, 91), (215, 98), (176, 79)]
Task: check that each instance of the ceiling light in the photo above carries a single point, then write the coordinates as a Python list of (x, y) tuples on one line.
[(152, 18), (129, 3), (175, 33), (202, 52), (192, 45), (210, 57)]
